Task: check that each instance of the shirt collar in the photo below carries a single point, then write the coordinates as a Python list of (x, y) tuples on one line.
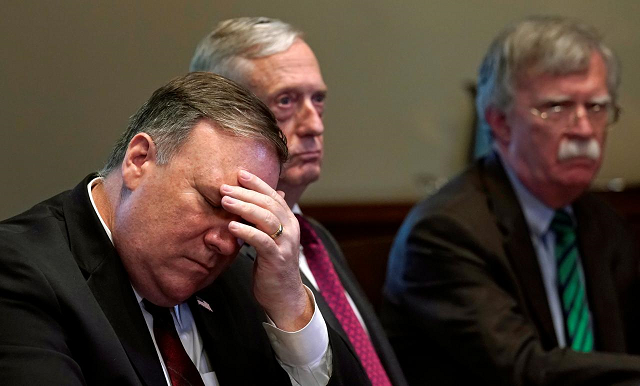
[(90, 185)]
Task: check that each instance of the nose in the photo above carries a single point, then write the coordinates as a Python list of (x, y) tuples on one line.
[(218, 239), (580, 125), (309, 119)]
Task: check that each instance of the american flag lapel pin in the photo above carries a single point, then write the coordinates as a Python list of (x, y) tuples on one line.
[(204, 304)]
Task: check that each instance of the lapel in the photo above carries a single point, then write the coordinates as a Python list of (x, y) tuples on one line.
[(350, 283), (518, 247), (601, 293), (327, 313), (212, 326), (109, 283), (351, 286)]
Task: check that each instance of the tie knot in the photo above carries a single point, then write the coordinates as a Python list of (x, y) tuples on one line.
[(562, 222)]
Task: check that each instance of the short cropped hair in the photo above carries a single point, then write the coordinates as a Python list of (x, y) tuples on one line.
[(176, 108), (546, 45), (226, 49)]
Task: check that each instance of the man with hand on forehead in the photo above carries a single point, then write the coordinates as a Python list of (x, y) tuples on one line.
[(272, 60), (118, 281), (513, 274)]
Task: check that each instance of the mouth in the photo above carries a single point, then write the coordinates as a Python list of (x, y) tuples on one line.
[(307, 156), (578, 161), (200, 266)]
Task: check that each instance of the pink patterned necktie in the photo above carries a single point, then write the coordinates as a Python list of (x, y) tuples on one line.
[(181, 369), (333, 293)]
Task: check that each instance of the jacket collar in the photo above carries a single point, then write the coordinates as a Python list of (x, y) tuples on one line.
[(108, 280)]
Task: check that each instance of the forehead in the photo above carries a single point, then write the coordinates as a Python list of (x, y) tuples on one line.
[(297, 67), (592, 82), (213, 155)]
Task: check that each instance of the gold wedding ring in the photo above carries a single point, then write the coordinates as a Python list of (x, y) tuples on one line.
[(277, 233)]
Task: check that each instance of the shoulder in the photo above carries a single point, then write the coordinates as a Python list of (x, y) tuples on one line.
[(597, 207), (462, 203), (596, 217), (35, 232)]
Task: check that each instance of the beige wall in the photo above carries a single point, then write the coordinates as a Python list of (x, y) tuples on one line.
[(398, 114)]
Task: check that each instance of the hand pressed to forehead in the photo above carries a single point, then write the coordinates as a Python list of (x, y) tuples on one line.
[(257, 203), (277, 283)]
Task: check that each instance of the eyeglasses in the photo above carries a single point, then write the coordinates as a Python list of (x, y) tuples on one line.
[(566, 113)]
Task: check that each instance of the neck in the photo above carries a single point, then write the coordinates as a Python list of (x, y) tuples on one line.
[(292, 193)]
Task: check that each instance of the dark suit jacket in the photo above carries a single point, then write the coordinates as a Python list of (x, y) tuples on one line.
[(465, 301), (349, 282), (68, 314)]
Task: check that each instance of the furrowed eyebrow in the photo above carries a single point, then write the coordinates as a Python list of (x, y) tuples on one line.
[(555, 98), (601, 99)]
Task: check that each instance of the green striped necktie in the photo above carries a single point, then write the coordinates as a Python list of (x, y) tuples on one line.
[(571, 289)]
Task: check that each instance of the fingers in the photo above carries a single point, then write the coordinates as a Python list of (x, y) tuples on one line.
[(253, 236), (257, 203), (254, 183), (262, 218), (277, 283)]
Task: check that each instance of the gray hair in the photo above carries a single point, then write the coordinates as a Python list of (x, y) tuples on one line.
[(175, 109), (226, 49), (545, 44)]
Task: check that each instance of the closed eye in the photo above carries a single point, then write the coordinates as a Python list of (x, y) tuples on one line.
[(211, 203)]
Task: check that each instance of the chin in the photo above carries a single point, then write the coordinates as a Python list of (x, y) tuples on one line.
[(177, 292), (180, 296), (578, 180), (302, 177), (578, 172)]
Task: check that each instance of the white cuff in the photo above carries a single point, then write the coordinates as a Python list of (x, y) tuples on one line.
[(305, 347)]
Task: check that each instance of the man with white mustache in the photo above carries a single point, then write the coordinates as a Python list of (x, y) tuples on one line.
[(513, 274)]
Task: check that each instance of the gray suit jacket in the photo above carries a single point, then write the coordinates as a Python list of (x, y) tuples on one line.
[(465, 301)]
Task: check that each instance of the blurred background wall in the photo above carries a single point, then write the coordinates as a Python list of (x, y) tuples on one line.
[(398, 118)]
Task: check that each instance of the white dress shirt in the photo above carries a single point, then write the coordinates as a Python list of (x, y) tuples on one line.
[(305, 354)]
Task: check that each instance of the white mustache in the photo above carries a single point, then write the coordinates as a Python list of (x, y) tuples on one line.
[(572, 148)]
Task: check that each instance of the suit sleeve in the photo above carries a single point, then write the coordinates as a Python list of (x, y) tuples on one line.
[(449, 301), (33, 348)]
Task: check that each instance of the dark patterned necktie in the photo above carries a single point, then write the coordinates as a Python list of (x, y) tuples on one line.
[(570, 286), (333, 293), (181, 369)]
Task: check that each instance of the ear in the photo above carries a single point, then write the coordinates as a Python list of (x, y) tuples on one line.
[(500, 129), (140, 156)]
